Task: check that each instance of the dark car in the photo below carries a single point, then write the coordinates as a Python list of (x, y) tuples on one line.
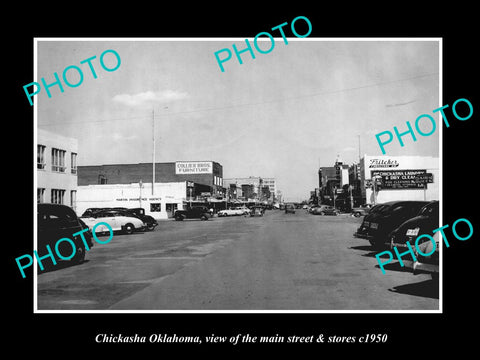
[(426, 220), (324, 210), (60, 221), (289, 208), (382, 220), (257, 211), (195, 212)]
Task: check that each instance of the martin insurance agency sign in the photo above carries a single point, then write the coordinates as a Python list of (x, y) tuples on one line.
[(193, 167)]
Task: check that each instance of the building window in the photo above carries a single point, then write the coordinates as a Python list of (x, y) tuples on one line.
[(73, 199), (41, 157), (155, 207), (40, 195), (58, 160), (57, 196), (102, 179), (73, 163)]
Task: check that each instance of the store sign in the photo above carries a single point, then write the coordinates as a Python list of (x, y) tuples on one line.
[(383, 163), (193, 167), (403, 179)]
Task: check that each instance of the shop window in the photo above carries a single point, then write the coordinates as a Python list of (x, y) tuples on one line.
[(155, 207)]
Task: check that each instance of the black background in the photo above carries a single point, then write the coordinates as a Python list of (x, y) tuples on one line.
[(426, 333)]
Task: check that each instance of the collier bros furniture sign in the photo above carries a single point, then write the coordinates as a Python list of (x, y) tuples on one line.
[(193, 167)]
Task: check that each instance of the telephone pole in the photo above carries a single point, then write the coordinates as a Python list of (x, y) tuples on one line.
[(153, 152)]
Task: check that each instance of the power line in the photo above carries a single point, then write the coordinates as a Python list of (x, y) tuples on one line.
[(252, 103)]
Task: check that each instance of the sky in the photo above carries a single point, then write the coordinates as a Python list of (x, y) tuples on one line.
[(282, 114)]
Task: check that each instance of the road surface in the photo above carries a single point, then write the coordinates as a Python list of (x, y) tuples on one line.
[(276, 262)]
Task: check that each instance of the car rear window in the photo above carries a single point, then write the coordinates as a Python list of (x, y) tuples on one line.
[(58, 215)]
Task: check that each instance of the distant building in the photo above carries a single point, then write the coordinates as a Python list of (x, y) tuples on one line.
[(56, 175), (332, 179), (246, 187)]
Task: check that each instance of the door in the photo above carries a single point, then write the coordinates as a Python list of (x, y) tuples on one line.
[(171, 208)]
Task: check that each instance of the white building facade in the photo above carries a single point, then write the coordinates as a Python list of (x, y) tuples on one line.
[(160, 204), (390, 178), (56, 169)]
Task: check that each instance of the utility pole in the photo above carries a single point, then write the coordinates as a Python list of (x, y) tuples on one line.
[(153, 152), (359, 153), (140, 193)]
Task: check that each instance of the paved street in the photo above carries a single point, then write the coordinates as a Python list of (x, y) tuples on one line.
[(278, 262)]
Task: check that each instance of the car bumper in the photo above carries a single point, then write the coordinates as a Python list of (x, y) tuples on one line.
[(419, 267)]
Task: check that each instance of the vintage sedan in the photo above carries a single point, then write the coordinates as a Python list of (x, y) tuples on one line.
[(290, 208), (234, 211), (56, 221), (424, 222), (149, 221), (257, 211), (117, 221), (361, 210), (377, 226), (324, 210), (194, 212)]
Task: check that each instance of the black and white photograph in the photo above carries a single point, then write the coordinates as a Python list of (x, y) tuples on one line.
[(224, 186), (293, 179)]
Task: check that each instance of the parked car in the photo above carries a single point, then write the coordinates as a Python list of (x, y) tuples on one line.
[(324, 210), (312, 208), (290, 208), (257, 211), (90, 212), (361, 210), (428, 264), (378, 224), (194, 212), (426, 220), (242, 210), (117, 221), (60, 221), (149, 221)]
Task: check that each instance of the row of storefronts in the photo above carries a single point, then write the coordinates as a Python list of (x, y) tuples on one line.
[(159, 188), (378, 179)]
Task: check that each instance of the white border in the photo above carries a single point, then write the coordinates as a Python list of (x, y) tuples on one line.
[(373, 39)]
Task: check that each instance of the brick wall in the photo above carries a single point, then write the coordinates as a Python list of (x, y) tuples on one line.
[(133, 173)]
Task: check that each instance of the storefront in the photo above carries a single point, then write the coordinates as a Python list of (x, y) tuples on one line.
[(161, 203), (389, 178)]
